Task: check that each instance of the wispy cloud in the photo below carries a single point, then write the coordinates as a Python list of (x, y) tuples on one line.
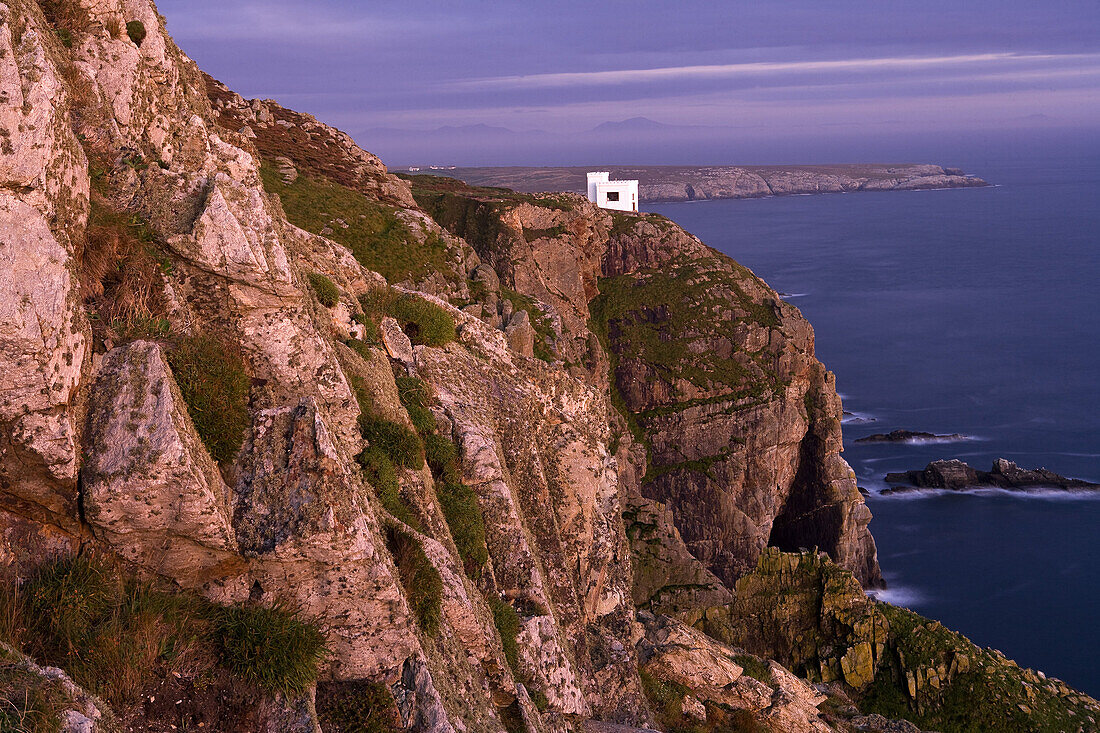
[(720, 71)]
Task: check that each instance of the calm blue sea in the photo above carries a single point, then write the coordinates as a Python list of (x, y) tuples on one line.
[(961, 311)]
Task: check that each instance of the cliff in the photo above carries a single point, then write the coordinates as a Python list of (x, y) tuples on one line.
[(288, 443), (663, 183)]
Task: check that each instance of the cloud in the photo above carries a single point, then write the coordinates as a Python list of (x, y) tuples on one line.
[(724, 71)]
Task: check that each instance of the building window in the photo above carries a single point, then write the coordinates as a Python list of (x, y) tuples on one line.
[(612, 195)]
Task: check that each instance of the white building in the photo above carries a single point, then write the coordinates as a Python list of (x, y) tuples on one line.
[(608, 194)]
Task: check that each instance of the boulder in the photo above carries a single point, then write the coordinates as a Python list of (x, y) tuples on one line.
[(151, 490), (397, 343), (520, 334)]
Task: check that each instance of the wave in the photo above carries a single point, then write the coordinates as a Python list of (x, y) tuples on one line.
[(925, 440), (904, 596), (1037, 494)]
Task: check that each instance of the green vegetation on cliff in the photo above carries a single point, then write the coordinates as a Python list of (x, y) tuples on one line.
[(421, 581), (508, 626), (670, 319), (28, 702), (423, 321), (121, 273), (681, 326), (458, 501), (373, 231), (116, 636), (357, 706), (327, 292), (271, 646), (215, 384)]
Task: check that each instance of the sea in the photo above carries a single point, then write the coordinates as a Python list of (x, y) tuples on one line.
[(969, 311)]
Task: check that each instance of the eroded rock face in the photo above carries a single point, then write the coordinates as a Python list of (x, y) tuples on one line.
[(675, 653), (534, 448), (43, 331), (741, 421), (150, 488), (808, 613)]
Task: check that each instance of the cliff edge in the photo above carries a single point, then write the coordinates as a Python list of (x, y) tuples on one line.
[(288, 443)]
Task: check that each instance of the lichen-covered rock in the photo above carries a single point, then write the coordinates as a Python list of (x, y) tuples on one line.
[(705, 672), (520, 334), (235, 238), (151, 491), (534, 447), (43, 331), (810, 615), (806, 612), (397, 343)]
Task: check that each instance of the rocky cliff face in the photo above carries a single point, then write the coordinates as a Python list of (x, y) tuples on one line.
[(461, 435)]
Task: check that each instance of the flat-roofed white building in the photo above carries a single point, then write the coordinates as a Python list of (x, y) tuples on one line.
[(608, 194)]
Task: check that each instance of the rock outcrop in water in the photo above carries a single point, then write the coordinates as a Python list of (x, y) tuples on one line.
[(911, 436), (957, 476), (290, 444)]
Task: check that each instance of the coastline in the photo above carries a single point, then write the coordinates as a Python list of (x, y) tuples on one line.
[(677, 184)]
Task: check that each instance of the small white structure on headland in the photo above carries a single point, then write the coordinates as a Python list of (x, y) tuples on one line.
[(608, 194)]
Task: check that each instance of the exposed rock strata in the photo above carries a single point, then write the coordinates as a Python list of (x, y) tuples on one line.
[(737, 418), (712, 437)]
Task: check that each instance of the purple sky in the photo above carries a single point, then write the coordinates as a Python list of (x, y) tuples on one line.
[(757, 71)]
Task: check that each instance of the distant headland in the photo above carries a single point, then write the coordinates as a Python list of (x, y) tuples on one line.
[(664, 183)]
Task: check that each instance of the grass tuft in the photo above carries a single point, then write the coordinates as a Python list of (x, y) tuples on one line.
[(414, 396), (508, 624), (121, 274), (117, 636), (424, 322), (442, 456), (463, 515), (327, 292), (271, 646), (396, 441), (212, 378), (422, 582), (382, 475)]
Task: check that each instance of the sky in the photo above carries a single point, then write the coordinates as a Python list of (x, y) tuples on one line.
[(714, 81)]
